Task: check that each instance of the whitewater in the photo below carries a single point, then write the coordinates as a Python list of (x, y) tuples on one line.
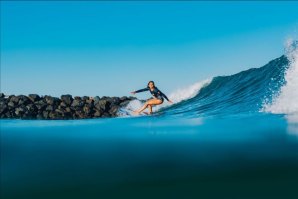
[(286, 99), (222, 137)]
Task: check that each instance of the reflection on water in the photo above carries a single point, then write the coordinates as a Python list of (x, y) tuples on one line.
[(150, 157), (292, 124)]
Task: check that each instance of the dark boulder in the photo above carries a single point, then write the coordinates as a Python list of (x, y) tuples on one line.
[(3, 108), (39, 116), (52, 100), (45, 114), (77, 103), (80, 114), (3, 100), (28, 115), (124, 98), (59, 111), (97, 113), (53, 115), (77, 98), (2, 95), (24, 100), (68, 110), (96, 99), (40, 105), (115, 100), (63, 105), (89, 104), (8, 115), (34, 97), (105, 97), (67, 99), (14, 99), (67, 115), (87, 110), (114, 110), (89, 101), (124, 101), (31, 108), (11, 104), (59, 114), (49, 108), (105, 115), (48, 99), (57, 101), (20, 111), (2, 116), (131, 98), (85, 98), (102, 105)]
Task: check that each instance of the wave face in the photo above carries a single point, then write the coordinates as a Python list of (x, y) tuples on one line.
[(271, 88)]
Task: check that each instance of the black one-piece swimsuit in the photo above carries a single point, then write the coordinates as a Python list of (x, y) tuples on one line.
[(155, 92)]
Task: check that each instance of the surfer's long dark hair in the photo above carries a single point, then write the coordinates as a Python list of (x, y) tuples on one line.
[(152, 83)]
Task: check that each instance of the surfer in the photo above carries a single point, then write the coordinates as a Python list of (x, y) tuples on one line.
[(158, 97)]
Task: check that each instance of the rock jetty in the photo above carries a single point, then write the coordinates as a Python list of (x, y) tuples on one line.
[(47, 107)]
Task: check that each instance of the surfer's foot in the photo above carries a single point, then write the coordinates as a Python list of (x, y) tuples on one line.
[(136, 112)]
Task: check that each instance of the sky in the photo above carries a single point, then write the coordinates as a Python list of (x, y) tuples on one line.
[(111, 48)]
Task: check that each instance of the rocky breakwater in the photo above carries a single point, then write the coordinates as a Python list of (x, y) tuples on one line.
[(34, 106)]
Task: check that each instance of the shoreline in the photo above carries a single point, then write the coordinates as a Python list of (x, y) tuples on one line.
[(66, 107)]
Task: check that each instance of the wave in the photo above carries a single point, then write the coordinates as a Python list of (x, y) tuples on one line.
[(271, 89)]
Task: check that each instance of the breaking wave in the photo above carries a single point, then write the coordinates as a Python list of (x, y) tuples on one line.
[(272, 88)]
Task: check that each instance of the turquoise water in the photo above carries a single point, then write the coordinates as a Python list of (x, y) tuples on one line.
[(147, 157), (230, 137)]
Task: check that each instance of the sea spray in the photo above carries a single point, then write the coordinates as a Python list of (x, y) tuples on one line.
[(186, 93), (286, 101)]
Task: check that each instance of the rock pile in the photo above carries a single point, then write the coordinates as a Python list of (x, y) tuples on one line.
[(34, 106)]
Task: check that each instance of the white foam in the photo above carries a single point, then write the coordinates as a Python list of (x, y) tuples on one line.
[(177, 96), (286, 102), (185, 93), (188, 92), (130, 107)]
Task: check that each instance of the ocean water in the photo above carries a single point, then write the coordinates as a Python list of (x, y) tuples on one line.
[(227, 137)]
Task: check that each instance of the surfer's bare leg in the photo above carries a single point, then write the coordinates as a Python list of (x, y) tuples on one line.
[(149, 102), (141, 109), (150, 109), (154, 102)]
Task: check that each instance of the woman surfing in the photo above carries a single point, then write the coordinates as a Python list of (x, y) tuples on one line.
[(158, 97)]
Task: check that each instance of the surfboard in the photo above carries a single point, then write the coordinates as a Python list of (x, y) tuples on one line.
[(142, 113)]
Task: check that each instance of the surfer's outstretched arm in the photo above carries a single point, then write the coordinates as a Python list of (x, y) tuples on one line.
[(162, 94), (141, 90)]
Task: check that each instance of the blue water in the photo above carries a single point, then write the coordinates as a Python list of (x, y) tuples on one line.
[(218, 144)]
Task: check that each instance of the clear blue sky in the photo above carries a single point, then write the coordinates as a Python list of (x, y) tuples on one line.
[(112, 48)]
